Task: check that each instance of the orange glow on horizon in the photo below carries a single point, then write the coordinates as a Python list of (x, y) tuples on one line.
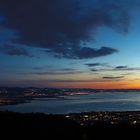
[(99, 85)]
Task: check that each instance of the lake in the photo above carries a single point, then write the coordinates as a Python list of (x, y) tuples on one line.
[(128, 101)]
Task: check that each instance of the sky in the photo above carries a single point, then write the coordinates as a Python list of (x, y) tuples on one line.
[(70, 43)]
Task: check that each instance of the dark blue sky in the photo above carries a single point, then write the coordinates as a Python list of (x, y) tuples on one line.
[(70, 43)]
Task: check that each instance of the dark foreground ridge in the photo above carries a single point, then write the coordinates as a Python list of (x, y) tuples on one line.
[(83, 126)]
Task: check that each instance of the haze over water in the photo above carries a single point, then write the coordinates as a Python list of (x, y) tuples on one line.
[(128, 101)]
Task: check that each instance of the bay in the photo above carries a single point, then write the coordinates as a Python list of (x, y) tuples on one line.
[(127, 101)]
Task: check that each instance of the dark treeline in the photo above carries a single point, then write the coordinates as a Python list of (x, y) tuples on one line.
[(48, 127)]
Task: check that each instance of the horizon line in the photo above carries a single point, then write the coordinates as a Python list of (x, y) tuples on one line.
[(71, 88)]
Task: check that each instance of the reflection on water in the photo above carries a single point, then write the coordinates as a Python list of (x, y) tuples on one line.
[(81, 103)]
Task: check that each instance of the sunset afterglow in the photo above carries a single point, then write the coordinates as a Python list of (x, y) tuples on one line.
[(70, 44)]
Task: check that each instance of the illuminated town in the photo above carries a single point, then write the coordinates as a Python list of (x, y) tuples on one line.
[(107, 118), (9, 96)]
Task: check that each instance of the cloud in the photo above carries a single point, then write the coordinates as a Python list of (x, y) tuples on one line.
[(125, 74), (14, 51), (52, 68), (78, 81), (115, 69), (53, 71), (126, 68), (112, 77), (45, 83), (56, 72), (96, 64), (121, 67), (85, 52), (69, 80), (94, 70), (64, 28)]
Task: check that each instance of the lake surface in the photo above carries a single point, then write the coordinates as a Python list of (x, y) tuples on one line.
[(80, 103)]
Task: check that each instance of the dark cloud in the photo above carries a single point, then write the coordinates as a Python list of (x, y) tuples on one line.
[(51, 71), (14, 51), (126, 68), (69, 80), (74, 81), (56, 72), (91, 53), (96, 64), (85, 52), (115, 69), (94, 70), (67, 69), (64, 28), (111, 77), (53, 68), (121, 67)]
